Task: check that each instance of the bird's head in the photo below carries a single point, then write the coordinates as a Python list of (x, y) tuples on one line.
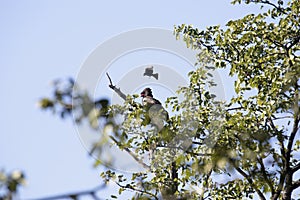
[(146, 92)]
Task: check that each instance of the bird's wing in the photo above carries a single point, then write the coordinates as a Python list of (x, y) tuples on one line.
[(156, 101)]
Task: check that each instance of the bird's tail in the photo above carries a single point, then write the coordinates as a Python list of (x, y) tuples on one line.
[(155, 76)]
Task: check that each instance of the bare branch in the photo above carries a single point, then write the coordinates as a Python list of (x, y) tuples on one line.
[(236, 108), (285, 117), (111, 83), (117, 90), (198, 143)]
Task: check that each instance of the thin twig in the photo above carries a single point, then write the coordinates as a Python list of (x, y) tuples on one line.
[(279, 8), (237, 108), (296, 168), (249, 179), (131, 153), (76, 194), (284, 117), (129, 187), (111, 83)]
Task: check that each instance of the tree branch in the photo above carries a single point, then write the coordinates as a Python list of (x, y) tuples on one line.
[(131, 153), (294, 131), (236, 108), (197, 143), (275, 42), (285, 117), (280, 185), (296, 184), (286, 171), (280, 139), (117, 90), (265, 175), (250, 181), (129, 187), (205, 180), (279, 8), (75, 195), (296, 168)]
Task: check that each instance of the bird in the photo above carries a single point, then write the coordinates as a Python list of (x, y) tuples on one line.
[(149, 72), (156, 114)]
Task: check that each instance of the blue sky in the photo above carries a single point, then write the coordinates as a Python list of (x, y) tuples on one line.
[(44, 40)]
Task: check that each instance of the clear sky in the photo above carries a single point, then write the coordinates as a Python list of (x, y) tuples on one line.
[(42, 40)]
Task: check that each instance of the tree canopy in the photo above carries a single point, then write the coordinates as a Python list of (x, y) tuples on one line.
[(251, 141)]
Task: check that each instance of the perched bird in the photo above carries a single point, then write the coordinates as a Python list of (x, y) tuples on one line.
[(149, 72), (148, 99), (156, 114)]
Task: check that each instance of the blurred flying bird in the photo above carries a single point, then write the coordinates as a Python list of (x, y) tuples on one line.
[(149, 72)]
